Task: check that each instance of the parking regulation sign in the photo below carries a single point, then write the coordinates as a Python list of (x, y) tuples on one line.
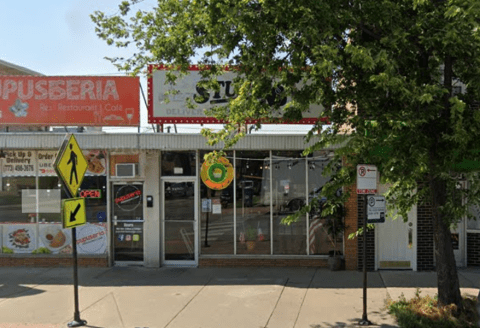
[(376, 208), (366, 179)]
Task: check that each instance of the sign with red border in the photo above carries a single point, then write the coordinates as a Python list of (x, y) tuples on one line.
[(70, 100), (366, 179), (174, 110)]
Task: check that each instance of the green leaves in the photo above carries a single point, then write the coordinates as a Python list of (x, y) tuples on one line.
[(380, 62)]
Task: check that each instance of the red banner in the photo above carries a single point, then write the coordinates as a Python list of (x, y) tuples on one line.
[(70, 100)]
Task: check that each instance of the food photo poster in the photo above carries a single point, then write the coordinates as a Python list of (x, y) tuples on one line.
[(53, 239)]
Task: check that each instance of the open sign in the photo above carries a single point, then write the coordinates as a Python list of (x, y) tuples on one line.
[(91, 193)]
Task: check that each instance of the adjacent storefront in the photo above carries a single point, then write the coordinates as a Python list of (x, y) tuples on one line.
[(151, 207), (152, 201), (30, 204)]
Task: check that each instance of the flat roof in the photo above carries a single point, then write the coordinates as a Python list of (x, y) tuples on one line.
[(7, 68), (150, 141)]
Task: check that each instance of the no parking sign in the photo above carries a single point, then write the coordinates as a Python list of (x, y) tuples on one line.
[(366, 179)]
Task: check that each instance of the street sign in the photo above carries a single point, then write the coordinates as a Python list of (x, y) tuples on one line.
[(376, 209), (366, 179), (74, 213), (71, 165)]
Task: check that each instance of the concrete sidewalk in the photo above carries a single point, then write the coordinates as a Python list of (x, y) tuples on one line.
[(208, 297)]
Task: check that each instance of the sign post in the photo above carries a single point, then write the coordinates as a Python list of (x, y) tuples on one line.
[(376, 209), (366, 184), (71, 166)]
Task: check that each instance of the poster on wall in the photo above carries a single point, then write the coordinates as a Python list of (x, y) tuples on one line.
[(97, 162), (45, 160), (92, 238), (19, 163), (56, 239), (70, 100), (19, 238)]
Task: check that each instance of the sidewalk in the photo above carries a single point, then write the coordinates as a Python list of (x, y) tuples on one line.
[(208, 297)]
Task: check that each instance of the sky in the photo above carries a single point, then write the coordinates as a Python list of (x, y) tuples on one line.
[(57, 37)]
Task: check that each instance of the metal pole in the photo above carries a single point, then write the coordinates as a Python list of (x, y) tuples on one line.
[(209, 196), (77, 322), (364, 321)]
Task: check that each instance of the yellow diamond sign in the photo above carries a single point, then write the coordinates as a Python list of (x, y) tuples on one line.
[(71, 165), (74, 214)]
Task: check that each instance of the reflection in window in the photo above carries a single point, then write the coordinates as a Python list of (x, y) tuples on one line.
[(253, 202), (94, 190), (51, 183), (178, 163), (217, 218), (288, 197), (179, 236), (320, 231), (11, 199)]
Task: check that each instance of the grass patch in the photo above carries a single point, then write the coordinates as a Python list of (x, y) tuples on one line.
[(423, 312)]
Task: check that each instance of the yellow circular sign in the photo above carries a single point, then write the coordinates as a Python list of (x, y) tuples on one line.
[(218, 175)]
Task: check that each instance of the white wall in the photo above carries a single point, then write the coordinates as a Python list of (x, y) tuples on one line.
[(152, 214)]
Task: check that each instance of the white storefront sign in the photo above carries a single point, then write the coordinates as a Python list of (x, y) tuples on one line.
[(366, 179), (188, 88)]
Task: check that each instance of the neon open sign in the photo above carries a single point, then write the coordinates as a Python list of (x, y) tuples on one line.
[(91, 193)]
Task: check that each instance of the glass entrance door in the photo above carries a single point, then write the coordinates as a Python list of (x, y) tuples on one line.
[(179, 223), (127, 213)]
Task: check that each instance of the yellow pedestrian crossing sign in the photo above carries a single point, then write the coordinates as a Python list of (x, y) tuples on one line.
[(73, 211), (71, 165)]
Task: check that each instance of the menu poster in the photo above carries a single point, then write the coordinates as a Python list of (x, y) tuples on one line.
[(97, 162), (92, 238), (46, 159), (55, 238), (19, 163), (20, 238)]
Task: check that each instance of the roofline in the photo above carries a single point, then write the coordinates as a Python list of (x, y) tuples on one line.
[(151, 141), (20, 68)]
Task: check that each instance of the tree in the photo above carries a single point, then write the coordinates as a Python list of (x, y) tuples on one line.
[(384, 71)]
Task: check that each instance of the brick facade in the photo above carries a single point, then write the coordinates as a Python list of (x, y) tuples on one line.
[(425, 246), (50, 261), (351, 226), (370, 239), (473, 249)]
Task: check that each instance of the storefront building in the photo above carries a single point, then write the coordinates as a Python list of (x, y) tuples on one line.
[(147, 205)]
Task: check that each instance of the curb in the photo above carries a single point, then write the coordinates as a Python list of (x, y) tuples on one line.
[(478, 309)]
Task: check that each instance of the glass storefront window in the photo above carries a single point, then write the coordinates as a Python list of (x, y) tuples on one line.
[(178, 163), (50, 185), (217, 226), (30, 204), (127, 208), (321, 240), (289, 195), (253, 202), (11, 199), (94, 190)]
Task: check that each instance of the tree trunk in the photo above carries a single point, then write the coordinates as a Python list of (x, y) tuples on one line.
[(448, 283)]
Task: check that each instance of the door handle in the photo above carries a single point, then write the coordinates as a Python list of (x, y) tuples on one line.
[(410, 238)]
